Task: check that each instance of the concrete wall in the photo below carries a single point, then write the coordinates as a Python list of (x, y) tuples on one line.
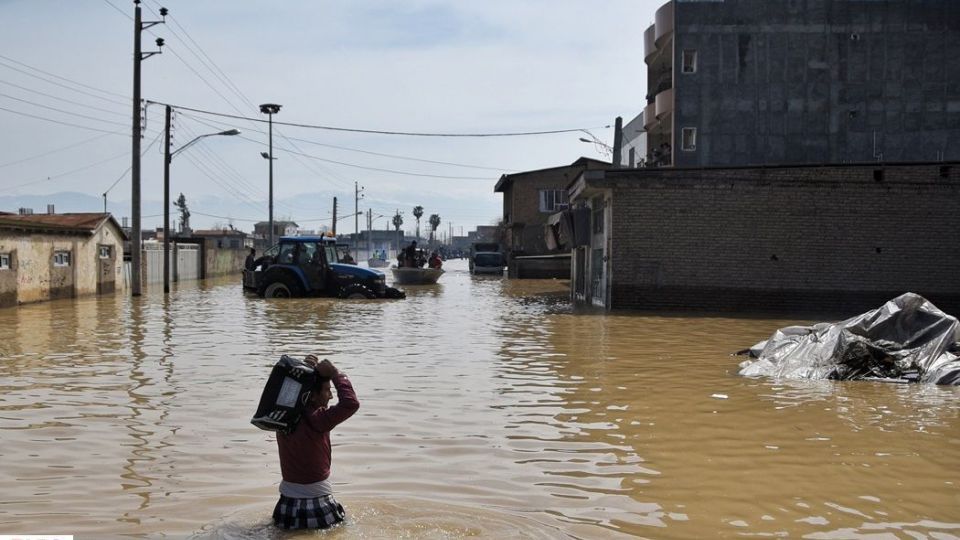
[(224, 261), (814, 238), (34, 278), (813, 81)]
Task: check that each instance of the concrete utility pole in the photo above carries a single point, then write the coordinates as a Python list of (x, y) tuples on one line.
[(617, 142), (334, 216), (138, 27), (356, 209), (167, 158), (270, 109)]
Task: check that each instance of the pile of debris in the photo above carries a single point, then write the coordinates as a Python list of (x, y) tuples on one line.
[(906, 340)]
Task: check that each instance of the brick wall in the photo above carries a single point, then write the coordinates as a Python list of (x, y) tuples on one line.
[(814, 238)]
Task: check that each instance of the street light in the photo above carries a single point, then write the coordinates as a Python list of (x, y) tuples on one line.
[(270, 109), (167, 158), (601, 146)]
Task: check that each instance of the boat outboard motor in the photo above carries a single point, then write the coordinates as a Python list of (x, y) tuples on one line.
[(285, 395)]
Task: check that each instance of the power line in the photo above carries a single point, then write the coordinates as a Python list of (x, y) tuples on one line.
[(62, 79), (124, 173), (94, 118), (394, 156), (58, 121), (405, 173), (379, 132), (58, 98), (54, 151)]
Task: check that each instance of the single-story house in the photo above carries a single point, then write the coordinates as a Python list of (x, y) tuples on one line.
[(48, 256)]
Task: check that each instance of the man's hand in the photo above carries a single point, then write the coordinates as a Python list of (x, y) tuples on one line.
[(326, 369), (311, 361)]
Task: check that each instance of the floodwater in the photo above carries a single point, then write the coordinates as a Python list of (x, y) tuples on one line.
[(489, 409)]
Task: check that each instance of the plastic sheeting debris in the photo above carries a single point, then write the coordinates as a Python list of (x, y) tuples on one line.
[(906, 340)]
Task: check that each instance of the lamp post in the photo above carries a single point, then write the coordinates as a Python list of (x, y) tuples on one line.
[(270, 109), (167, 158)]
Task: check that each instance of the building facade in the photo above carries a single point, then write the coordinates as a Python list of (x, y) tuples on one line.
[(50, 256), (748, 82), (832, 239), (529, 198)]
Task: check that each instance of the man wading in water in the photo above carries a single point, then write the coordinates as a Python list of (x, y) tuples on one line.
[(306, 495)]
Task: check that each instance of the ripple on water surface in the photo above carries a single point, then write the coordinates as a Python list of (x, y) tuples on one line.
[(488, 409)]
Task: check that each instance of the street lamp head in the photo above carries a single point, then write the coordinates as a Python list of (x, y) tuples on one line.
[(230, 132), (269, 108), (585, 140), (264, 155)]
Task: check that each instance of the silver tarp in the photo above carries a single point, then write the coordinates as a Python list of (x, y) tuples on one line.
[(907, 340)]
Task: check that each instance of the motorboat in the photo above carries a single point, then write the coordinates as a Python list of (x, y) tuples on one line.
[(415, 276)]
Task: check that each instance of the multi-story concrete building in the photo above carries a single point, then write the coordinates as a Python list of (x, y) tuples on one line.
[(744, 82)]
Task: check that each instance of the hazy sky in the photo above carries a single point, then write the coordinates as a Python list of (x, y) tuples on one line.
[(415, 66)]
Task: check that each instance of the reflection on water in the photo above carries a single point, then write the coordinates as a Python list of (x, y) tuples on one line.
[(489, 409)]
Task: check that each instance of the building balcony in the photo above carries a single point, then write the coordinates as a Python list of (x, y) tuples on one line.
[(650, 116), (649, 43), (664, 103), (663, 21)]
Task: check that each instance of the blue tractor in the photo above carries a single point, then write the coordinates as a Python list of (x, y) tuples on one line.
[(310, 266)]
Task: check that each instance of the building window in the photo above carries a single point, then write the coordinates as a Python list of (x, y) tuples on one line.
[(689, 139), (61, 258), (4, 261), (689, 64), (105, 252), (552, 200)]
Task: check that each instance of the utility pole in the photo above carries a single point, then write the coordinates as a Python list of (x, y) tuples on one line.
[(334, 216), (270, 109), (166, 199), (138, 27), (356, 209), (617, 141)]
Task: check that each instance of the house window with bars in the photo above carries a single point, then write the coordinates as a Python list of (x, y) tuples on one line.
[(105, 252), (61, 258), (552, 200), (4, 261)]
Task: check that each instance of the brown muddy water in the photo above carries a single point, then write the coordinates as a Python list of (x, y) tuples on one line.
[(488, 409)]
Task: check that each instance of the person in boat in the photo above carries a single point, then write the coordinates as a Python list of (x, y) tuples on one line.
[(250, 263), (435, 261), (410, 255), (306, 493)]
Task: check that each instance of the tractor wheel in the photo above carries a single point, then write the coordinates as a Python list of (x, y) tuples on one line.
[(356, 292), (285, 287), (277, 289)]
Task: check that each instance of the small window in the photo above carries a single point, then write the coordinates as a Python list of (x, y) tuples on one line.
[(61, 258), (552, 200), (689, 139), (105, 252), (689, 61), (4, 261)]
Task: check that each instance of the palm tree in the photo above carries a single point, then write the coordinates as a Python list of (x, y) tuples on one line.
[(418, 213), (434, 223), (397, 222)]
